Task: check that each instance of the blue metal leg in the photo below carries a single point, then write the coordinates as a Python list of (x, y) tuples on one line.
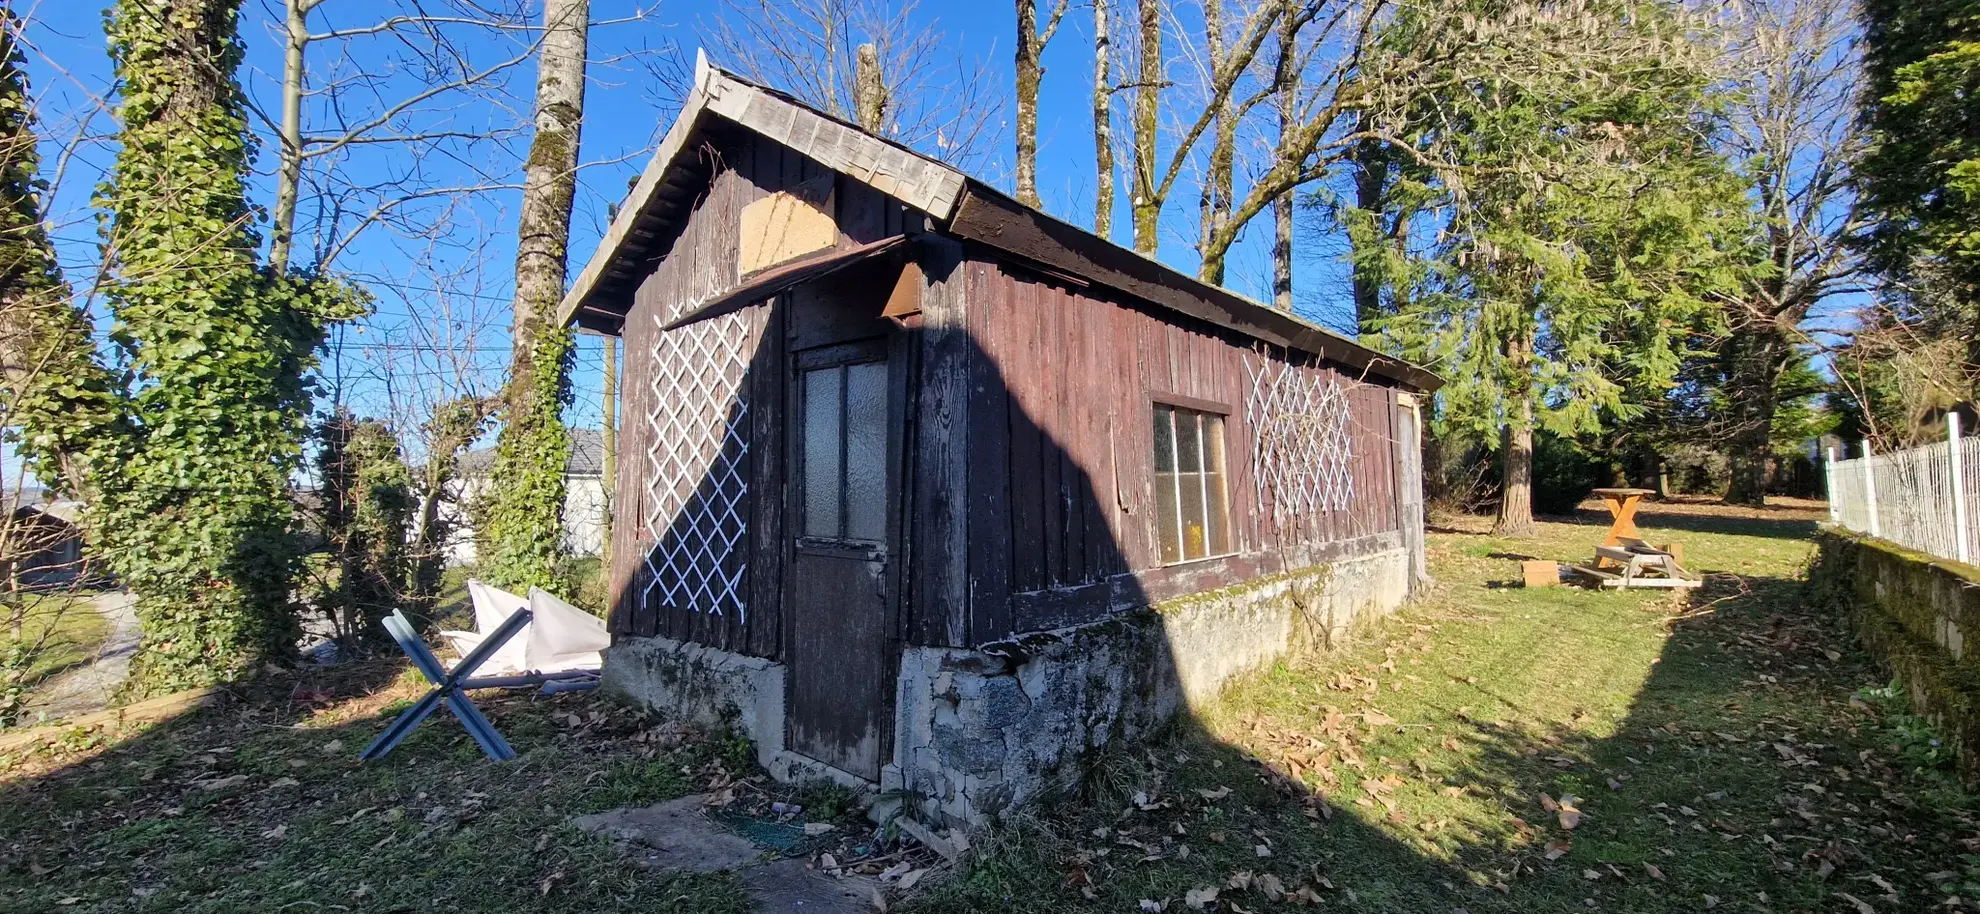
[(447, 688)]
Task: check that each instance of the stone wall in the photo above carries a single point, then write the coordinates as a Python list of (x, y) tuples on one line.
[(979, 732), (1915, 613)]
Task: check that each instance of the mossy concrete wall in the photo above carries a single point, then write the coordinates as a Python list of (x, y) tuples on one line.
[(979, 732), (1920, 617)]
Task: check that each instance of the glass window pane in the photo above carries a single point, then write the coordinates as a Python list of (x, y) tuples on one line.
[(1167, 531), (866, 451), (1217, 508), (1188, 458), (820, 476), (1195, 539)]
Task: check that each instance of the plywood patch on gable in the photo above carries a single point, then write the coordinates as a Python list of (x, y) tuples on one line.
[(788, 224)]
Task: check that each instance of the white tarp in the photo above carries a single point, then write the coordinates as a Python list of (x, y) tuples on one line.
[(559, 637)]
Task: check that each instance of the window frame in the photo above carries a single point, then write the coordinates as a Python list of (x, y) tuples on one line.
[(1198, 408), (840, 358)]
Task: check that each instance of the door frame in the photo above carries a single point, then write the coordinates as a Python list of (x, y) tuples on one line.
[(895, 350)]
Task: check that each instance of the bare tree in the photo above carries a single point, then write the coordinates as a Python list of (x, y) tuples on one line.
[(355, 133), (1285, 88), (1103, 120), (524, 534), (935, 102), (1031, 43), (1228, 60), (1795, 134)]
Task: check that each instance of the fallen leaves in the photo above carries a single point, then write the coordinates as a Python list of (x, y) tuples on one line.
[(1564, 808)]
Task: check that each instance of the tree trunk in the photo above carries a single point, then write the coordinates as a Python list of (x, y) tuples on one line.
[(524, 534), (1516, 448), (1753, 366), (1516, 482), (1103, 122), (1027, 102), (870, 100), (288, 170), (1285, 76), (1214, 207), (1147, 206), (1371, 178)]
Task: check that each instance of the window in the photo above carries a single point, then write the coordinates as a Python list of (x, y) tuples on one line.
[(1191, 513), (844, 456)]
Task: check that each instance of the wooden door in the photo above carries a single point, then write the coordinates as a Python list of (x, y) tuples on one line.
[(840, 597)]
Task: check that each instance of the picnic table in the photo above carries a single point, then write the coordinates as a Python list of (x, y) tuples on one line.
[(1641, 564), (1622, 504)]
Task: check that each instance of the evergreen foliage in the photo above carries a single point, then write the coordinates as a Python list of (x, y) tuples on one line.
[(1575, 227), (1920, 183), (1921, 175)]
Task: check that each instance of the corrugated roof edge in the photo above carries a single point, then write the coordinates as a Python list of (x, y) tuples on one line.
[(940, 191)]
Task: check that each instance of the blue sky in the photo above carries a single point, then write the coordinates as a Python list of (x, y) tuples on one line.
[(404, 352)]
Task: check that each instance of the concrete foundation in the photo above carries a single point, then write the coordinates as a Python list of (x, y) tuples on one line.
[(978, 732)]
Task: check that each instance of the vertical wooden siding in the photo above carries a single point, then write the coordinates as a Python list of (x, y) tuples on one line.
[(1079, 370), (702, 260)]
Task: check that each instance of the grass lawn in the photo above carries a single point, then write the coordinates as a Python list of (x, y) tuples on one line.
[(260, 805), (1717, 751), (71, 630), (1705, 749)]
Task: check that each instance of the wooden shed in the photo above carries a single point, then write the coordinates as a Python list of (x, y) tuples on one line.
[(926, 490)]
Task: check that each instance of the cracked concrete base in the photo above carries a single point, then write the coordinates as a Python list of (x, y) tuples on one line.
[(675, 835)]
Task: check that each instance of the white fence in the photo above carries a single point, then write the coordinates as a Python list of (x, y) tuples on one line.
[(1917, 498)]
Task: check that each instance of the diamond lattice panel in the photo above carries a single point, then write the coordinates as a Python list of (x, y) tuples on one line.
[(697, 485), (1303, 459)]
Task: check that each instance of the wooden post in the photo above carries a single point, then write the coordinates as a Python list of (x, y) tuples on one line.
[(1961, 551), (1870, 490), (1829, 483), (608, 443)]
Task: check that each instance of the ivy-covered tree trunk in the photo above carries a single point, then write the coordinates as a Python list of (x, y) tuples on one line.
[(1214, 206), (522, 538), (1028, 49), (54, 392), (367, 505), (1285, 86), (193, 512)]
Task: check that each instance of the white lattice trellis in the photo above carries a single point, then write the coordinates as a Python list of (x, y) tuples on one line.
[(1305, 443), (696, 457)]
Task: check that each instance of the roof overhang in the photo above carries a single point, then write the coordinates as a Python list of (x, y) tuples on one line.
[(766, 283), (671, 181), (958, 205)]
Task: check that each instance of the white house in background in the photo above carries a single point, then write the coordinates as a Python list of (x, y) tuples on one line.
[(585, 506)]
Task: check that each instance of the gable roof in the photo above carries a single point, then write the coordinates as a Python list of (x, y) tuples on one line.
[(958, 204)]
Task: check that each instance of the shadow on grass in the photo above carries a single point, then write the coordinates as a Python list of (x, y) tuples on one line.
[(257, 803), (1736, 776)]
